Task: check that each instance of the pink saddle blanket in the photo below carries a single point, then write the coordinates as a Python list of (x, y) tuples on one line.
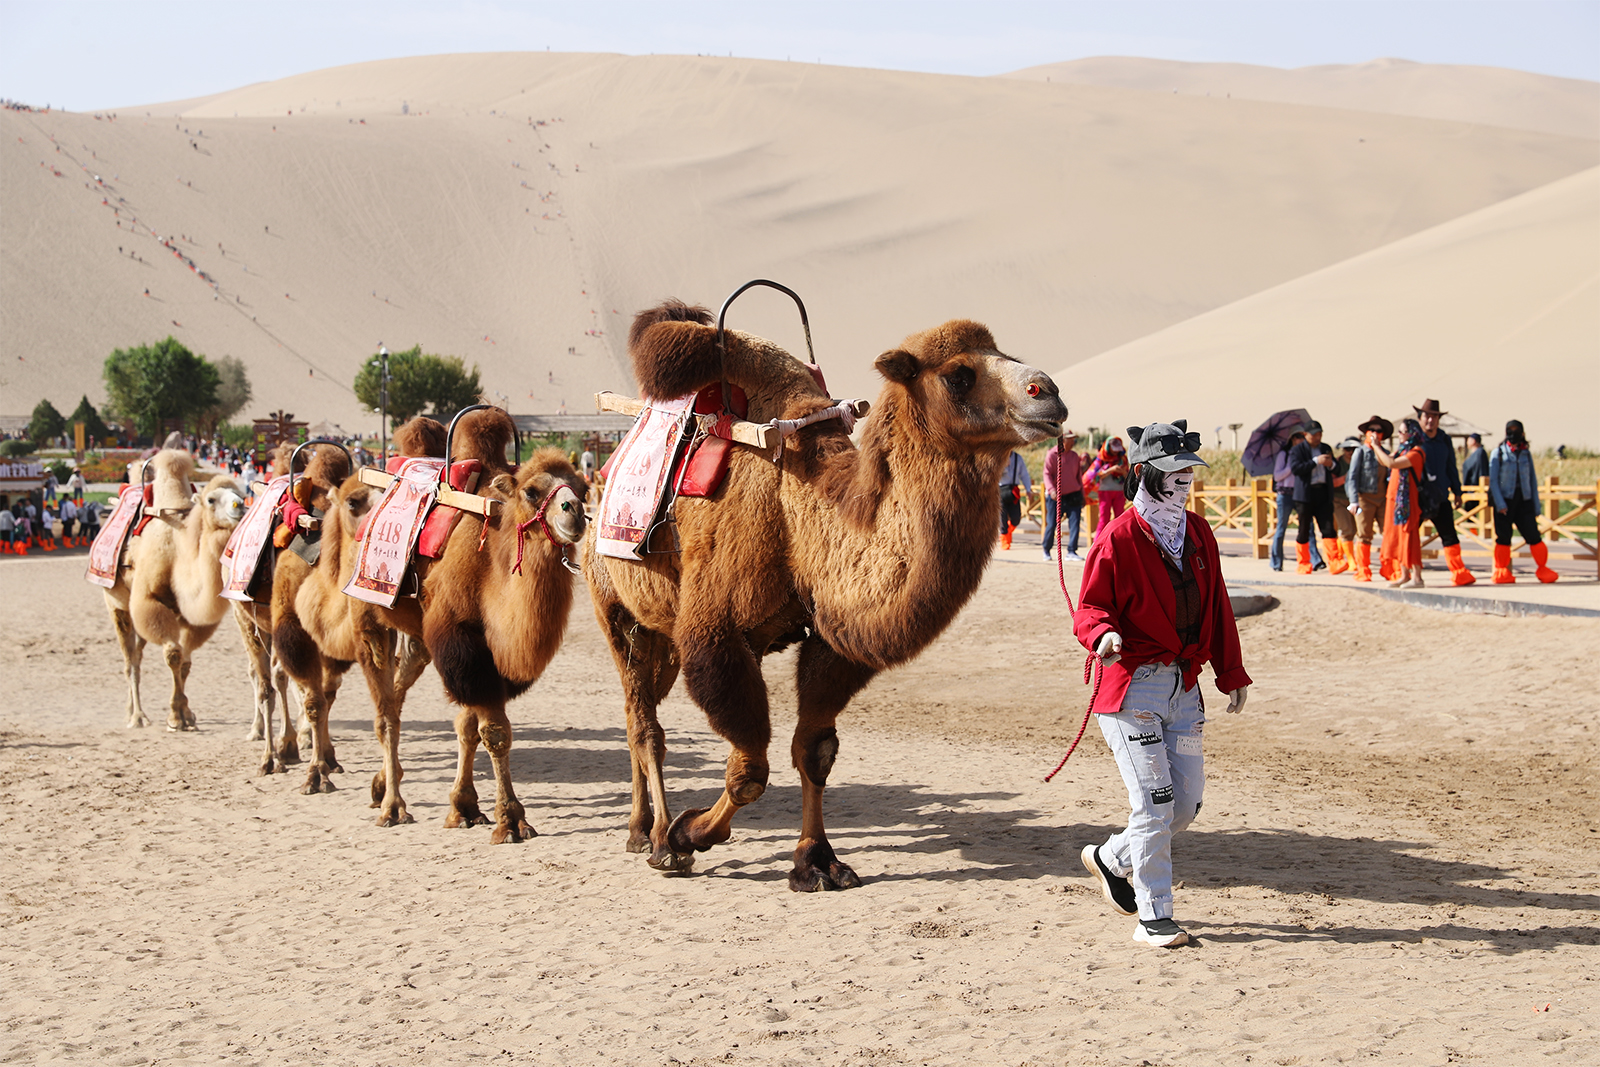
[(105, 555), (406, 523), (247, 545)]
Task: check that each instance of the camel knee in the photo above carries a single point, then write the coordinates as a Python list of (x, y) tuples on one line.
[(746, 781), (174, 656), (496, 737), (815, 760)]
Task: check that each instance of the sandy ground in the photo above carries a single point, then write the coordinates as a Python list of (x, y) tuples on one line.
[(1396, 863)]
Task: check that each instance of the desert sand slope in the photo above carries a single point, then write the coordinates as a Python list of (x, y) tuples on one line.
[(1489, 95), (1496, 314), (1071, 218)]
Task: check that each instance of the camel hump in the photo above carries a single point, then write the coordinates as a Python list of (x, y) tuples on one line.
[(674, 351), (174, 471), (420, 436), (328, 465), (278, 459), (484, 435)]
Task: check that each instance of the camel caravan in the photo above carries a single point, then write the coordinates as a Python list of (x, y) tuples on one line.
[(739, 517)]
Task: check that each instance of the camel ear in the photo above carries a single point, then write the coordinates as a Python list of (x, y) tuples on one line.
[(503, 483), (898, 365), (194, 500), (1135, 432)]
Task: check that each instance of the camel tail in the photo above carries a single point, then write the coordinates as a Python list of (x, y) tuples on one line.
[(420, 436)]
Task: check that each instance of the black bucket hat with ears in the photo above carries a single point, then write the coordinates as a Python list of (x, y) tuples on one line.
[(1166, 446)]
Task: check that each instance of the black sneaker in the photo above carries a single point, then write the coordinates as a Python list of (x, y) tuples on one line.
[(1321, 566), (1117, 890), (1162, 933)]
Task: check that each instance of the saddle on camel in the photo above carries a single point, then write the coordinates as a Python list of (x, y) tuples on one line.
[(863, 555)]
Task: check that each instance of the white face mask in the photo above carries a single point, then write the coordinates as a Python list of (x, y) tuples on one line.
[(1166, 515)]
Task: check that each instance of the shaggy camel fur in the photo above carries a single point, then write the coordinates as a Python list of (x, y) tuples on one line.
[(863, 556), (315, 627), (492, 612), (167, 594)]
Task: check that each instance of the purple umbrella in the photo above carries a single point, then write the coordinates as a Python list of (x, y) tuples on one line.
[(1270, 438)]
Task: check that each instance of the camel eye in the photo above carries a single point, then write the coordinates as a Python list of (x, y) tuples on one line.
[(960, 381)]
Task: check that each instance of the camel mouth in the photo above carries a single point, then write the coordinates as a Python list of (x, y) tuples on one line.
[(1037, 429)]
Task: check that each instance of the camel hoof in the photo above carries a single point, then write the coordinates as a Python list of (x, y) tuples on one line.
[(468, 817), (516, 832), (668, 862), (816, 880), (389, 818), (639, 841), (678, 839), (268, 766)]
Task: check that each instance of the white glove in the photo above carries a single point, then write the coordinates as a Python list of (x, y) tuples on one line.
[(1236, 699), (1110, 647)]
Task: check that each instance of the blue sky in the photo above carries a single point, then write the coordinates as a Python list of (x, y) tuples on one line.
[(90, 54)]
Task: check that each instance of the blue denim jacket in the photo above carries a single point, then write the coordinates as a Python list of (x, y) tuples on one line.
[(1506, 470)]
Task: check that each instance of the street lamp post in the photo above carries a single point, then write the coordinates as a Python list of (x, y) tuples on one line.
[(383, 407)]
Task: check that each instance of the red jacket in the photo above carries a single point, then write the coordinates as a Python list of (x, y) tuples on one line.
[(1126, 589)]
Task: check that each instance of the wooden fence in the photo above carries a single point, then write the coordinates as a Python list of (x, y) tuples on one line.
[(1250, 512)]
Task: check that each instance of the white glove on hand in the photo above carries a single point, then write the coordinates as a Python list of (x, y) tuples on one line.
[(1236, 699), (1110, 647)]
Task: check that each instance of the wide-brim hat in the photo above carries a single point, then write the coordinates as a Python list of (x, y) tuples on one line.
[(1166, 446), (1384, 427), (1065, 434), (1349, 443), (1429, 407)]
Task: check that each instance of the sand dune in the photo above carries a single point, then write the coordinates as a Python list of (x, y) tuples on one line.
[(1073, 219), (1497, 314), (1511, 98)]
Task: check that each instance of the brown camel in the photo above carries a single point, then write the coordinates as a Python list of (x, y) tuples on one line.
[(167, 592), (862, 555), (315, 629), (492, 612)]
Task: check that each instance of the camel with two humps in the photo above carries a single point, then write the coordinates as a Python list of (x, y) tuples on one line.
[(167, 591), (861, 554), (492, 612)]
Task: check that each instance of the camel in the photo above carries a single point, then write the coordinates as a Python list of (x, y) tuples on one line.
[(167, 593), (314, 631), (863, 556), (492, 612)]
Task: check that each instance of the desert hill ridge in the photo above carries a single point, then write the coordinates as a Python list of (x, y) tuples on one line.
[(1495, 314), (1071, 218), (1489, 95)]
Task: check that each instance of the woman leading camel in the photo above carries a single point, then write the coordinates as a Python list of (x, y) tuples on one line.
[(1155, 610)]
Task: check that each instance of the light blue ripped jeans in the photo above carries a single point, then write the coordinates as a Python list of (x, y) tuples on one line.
[(1156, 739)]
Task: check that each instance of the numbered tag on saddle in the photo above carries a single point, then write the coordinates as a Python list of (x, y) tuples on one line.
[(389, 538), (247, 545)]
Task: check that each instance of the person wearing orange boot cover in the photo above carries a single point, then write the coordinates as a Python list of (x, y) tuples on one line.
[(1440, 491), (1515, 493), (1313, 465)]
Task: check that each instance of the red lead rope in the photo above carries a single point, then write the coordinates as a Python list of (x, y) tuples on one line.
[(1089, 661)]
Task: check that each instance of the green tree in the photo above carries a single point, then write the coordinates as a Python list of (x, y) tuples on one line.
[(233, 393), (420, 383), (46, 423), (93, 425), (160, 384)]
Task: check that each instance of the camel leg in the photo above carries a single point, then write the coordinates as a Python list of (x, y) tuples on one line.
[(132, 646), (378, 666), (510, 819), (179, 717), (464, 810), (646, 665), (826, 681), (287, 748), (724, 677), (319, 701), (258, 657)]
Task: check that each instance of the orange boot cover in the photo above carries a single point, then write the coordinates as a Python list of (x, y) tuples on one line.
[(1541, 559), (1349, 550), (1331, 552), (1363, 562), (1459, 575), (1502, 565), (1005, 538), (1302, 554)]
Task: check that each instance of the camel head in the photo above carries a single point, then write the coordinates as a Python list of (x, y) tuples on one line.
[(348, 503), (963, 392), (220, 505), (544, 486)]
